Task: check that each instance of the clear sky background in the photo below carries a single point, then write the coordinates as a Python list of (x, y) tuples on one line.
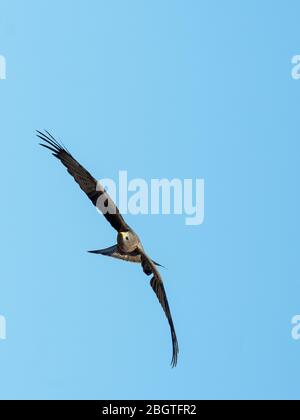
[(187, 89)]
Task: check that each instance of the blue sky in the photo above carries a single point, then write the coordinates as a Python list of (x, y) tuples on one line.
[(185, 89)]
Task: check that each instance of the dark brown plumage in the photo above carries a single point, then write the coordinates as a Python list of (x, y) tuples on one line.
[(128, 247)]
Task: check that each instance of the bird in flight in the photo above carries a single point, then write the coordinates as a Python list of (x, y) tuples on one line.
[(129, 247)]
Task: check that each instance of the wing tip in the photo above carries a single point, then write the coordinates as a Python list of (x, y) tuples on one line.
[(175, 351), (51, 142)]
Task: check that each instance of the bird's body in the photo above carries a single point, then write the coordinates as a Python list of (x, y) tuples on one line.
[(128, 241), (129, 246)]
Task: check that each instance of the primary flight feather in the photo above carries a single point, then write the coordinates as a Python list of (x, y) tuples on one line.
[(128, 247)]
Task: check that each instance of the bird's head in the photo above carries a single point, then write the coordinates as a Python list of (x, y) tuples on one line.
[(128, 241)]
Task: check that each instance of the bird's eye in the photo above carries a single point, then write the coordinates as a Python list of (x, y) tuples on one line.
[(127, 239)]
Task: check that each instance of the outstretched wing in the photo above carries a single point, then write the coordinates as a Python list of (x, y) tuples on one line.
[(158, 287), (93, 189), (114, 252)]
